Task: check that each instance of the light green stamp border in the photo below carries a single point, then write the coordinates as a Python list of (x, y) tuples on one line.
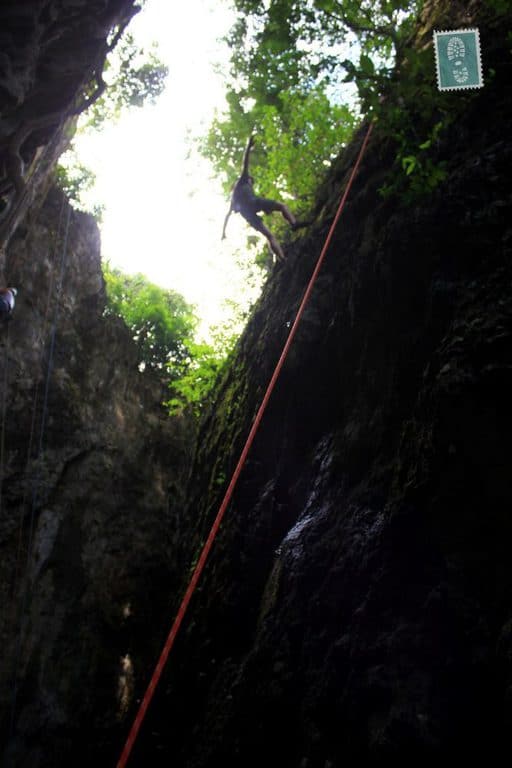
[(457, 87)]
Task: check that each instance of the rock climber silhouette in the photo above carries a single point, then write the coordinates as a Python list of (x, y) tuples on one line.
[(245, 202)]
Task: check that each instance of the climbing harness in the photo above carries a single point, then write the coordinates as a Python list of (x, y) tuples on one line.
[(143, 707)]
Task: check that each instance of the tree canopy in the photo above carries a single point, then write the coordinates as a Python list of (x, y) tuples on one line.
[(162, 323), (164, 328), (291, 61)]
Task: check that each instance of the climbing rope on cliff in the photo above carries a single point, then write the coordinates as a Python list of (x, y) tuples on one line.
[(143, 707), (35, 399), (40, 446), (49, 370)]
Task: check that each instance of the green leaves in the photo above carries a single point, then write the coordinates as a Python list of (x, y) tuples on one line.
[(289, 60), (161, 321), (134, 77), (74, 179), (296, 139), (196, 378), (163, 326), (366, 65), (422, 173), (409, 164)]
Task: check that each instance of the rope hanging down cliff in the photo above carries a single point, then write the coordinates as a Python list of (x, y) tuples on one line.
[(236, 474), (35, 399), (40, 447)]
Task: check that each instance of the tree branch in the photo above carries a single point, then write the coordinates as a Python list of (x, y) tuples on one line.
[(385, 31), (88, 102)]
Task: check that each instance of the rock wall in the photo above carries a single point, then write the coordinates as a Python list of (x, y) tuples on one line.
[(357, 607), (52, 54), (91, 468), (86, 519)]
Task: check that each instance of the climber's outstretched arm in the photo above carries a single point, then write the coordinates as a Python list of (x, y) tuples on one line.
[(245, 166), (226, 222)]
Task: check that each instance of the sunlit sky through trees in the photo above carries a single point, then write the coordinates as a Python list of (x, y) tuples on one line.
[(163, 210)]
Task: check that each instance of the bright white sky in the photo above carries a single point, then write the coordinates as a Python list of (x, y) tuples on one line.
[(163, 212)]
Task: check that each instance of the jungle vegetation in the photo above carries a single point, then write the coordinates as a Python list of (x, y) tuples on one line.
[(303, 75)]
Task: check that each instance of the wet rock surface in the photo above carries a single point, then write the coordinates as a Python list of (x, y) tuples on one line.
[(357, 606)]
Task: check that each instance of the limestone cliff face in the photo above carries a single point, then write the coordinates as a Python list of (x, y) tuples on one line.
[(85, 529), (357, 607), (90, 465)]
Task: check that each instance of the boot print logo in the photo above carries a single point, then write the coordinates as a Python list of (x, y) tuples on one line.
[(458, 59), (456, 51)]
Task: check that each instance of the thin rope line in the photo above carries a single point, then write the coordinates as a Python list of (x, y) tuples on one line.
[(36, 485), (227, 498), (14, 580), (36, 397)]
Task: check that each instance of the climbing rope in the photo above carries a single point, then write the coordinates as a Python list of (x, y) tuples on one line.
[(36, 484), (236, 474), (35, 399)]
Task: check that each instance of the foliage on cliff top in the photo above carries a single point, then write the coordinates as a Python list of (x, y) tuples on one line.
[(133, 77), (161, 321), (164, 328), (302, 71)]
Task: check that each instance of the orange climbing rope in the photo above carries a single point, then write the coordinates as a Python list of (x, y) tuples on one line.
[(236, 474)]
